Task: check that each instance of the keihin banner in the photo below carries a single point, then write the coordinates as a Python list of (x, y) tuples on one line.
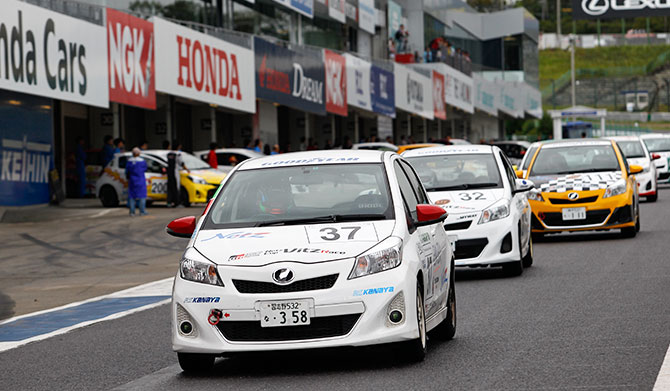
[(413, 91), (194, 65), (50, 54), (610, 9)]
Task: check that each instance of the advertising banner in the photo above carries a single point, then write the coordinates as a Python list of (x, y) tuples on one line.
[(305, 7), (486, 95), (358, 82), (533, 101), (366, 15), (610, 9), (413, 91), (438, 96), (336, 83), (458, 89), (336, 10), (382, 85), (26, 153), (289, 78), (193, 65), (50, 54), (510, 103), (130, 52), (394, 18)]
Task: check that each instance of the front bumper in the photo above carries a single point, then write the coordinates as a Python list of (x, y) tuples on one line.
[(482, 244), (198, 193), (646, 183), (356, 310)]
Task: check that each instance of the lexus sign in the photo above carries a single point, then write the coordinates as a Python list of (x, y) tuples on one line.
[(610, 9)]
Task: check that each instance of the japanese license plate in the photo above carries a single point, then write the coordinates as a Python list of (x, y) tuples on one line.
[(574, 213), (284, 313)]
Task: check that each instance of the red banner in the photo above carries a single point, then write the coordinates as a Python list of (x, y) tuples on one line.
[(438, 96), (130, 52), (336, 83)]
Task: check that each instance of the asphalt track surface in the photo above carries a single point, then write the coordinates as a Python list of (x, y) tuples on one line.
[(592, 313)]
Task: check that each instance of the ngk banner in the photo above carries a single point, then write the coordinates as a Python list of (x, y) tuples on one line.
[(358, 82), (336, 83), (413, 91), (49, 54), (200, 67), (289, 77), (130, 50), (609, 9), (438, 96)]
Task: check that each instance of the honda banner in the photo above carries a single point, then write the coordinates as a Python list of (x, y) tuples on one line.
[(382, 86), (50, 54), (194, 65), (130, 52), (358, 82), (438, 96), (413, 91), (336, 83), (289, 77)]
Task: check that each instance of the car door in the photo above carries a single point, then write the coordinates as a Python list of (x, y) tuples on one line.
[(429, 240), (156, 178), (519, 202)]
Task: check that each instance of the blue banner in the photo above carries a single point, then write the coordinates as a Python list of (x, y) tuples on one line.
[(290, 78), (383, 91), (26, 149)]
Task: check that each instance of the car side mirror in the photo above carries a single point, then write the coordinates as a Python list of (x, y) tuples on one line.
[(635, 169), (523, 185), (429, 214), (182, 227), (519, 174), (655, 156)]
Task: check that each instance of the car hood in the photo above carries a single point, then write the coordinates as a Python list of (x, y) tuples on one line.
[(210, 175), (466, 201), (577, 182), (297, 243)]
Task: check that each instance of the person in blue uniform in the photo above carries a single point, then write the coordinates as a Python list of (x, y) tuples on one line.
[(137, 185)]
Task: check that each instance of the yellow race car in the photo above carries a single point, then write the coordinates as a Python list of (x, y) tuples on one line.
[(581, 185)]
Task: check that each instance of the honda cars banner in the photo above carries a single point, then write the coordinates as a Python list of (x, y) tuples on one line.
[(358, 82), (438, 96), (382, 86), (336, 83), (413, 91), (193, 65), (130, 51), (50, 54), (289, 77)]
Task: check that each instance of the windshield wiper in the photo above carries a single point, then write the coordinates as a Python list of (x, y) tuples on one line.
[(323, 219), (464, 186)]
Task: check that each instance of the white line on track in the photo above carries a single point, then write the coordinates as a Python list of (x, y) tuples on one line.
[(156, 288), (663, 379)]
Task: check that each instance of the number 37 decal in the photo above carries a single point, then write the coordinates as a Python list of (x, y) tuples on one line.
[(341, 233)]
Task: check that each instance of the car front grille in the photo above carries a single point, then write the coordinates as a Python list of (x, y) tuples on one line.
[(470, 248), (664, 175), (561, 201), (311, 284), (323, 327), (457, 226), (593, 217)]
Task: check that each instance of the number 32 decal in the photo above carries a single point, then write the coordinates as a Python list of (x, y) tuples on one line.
[(475, 195), (341, 233)]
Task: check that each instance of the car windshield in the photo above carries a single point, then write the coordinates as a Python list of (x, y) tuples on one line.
[(457, 172), (193, 163), (658, 144), (575, 159), (631, 149), (302, 195)]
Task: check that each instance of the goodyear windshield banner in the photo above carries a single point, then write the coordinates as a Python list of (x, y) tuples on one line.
[(610, 9), (26, 152), (290, 77)]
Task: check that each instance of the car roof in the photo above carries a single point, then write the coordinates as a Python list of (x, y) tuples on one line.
[(575, 142), (375, 144), (449, 149), (623, 138), (333, 156)]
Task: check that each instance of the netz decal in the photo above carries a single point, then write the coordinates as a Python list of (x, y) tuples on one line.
[(284, 251), (373, 291), (202, 300), (239, 235)]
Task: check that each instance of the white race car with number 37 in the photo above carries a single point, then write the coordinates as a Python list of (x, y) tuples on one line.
[(310, 250)]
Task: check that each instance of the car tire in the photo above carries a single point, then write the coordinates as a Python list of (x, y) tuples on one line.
[(108, 197), (196, 362), (447, 329), (416, 349), (631, 232), (527, 260), (183, 195)]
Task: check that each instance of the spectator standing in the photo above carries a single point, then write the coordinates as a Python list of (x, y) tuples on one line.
[(211, 156), (80, 155), (275, 150), (329, 144), (175, 164), (107, 150), (144, 145), (311, 146), (136, 167), (401, 37), (119, 145), (303, 146), (392, 48), (402, 140), (258, 145)]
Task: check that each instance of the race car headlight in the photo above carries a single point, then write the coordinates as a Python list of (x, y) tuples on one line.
[(497, 211), (197, 180), (535, 195), (199, 270), (616, 188), (384, 256)]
